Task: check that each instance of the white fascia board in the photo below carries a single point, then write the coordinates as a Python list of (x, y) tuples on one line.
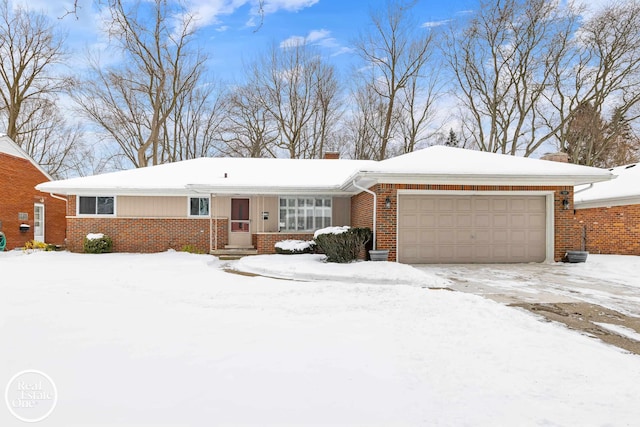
[(483, 179), (607, 203)]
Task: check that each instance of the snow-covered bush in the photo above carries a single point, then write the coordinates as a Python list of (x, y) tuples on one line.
[(342, 244), (97, 243), (293, 247)]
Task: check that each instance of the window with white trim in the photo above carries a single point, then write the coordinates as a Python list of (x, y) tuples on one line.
[(198, 206), (304, 213), (96, 205)]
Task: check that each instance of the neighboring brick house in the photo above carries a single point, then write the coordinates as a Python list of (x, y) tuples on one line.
[(608, 213), (26, 213), (437, 205)]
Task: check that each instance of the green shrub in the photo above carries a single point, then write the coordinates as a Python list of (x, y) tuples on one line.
[(343, 247), (295, 247), (192, 249), (97, 244)]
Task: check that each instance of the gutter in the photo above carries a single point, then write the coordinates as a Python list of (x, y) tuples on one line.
[(375, 210), (583, 189)]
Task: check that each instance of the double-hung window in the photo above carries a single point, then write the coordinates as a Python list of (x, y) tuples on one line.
[(304, 213), (90, 205), (198, 206)]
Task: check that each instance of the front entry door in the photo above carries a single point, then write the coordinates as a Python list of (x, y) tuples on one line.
[(38, 222), (240, 234)]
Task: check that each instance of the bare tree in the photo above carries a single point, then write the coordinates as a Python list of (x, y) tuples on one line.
[(366, 119), (297, 89), (603, 72), (48, 138), (395, 52), (248, 130), (502, 63), (193, 128), (133, 101), (30, 49)]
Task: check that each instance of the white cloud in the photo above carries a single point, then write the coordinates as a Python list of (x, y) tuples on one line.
[(433, 24), (272, 6), (319, 37), (293, 41), (315, 35)]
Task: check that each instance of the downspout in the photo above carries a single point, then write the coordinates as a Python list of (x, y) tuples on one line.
[(66, 212), (210, 223), (375, 209), (583, 189)]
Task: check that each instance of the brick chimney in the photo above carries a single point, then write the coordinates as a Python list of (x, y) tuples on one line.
[(332, 155), (556, 157)]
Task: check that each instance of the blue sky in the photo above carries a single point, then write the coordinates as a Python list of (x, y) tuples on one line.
[(229, 33)]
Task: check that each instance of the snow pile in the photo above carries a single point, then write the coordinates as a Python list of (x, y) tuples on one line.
[(314, 267), (331, 230), (295, 245), (95, 236)]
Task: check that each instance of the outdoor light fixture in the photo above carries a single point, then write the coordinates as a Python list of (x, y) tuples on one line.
[(565, 203), (387, 202)]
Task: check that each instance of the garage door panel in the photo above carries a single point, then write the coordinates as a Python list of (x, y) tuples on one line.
[(478, 228), (445, 205), (499, 205), (427, 221), (464, 220)]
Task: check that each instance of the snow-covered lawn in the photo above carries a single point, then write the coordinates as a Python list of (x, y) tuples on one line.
[(172, 339)]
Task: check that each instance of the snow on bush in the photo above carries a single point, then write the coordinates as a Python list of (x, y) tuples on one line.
[(331, 230), (97, 243), (295, 246), (343, 244)]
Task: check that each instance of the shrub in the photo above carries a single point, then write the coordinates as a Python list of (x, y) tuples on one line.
[(191, 249), (97, 243), (294, 247), (36, 245), (342, 244)]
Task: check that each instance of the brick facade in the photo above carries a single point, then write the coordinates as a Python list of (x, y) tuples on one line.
[(567, 233), (148, 234), (18, 177), (265, 242), (612, 230)]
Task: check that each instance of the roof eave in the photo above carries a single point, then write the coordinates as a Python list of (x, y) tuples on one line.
[(608, 202), (483, 179)]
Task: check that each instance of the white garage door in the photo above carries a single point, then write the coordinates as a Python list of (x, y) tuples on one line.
[(471, 229)]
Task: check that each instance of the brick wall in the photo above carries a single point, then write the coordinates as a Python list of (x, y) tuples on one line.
[(265, 242), (141, 234), (614, 230), (567, 235), (18, 177)]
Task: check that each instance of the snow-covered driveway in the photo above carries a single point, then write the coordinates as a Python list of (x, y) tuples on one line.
[(611, 281)]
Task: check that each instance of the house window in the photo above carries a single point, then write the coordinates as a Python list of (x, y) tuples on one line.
[(96, 205), (198, 206), (304, 213)]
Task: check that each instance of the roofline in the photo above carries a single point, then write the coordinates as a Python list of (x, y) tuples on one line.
[(479, 179), (26, 156), (192, 189), (370, 178), (608, 202)]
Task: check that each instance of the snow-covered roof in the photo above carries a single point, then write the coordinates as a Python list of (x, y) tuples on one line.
[(222, 175), (449, 165), (7, 146), (438, 165), (624, 190)]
